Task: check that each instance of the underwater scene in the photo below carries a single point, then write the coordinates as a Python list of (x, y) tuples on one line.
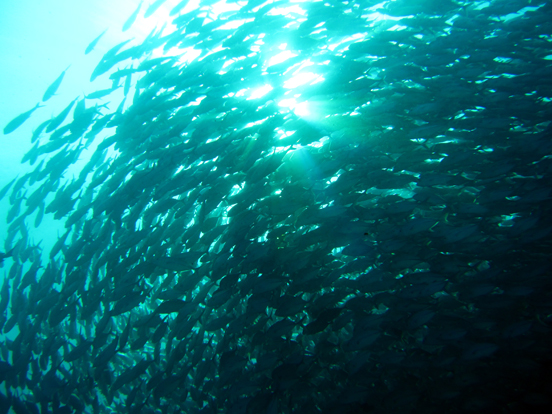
[(265, 207)]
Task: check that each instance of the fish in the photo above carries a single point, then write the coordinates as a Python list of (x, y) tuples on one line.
[(110, 59), (100, 94), (58, 120), (78, 351), (19, 120), (6, 188), (38, 130), (152, 8), (178, 7), (94, 42), (5, 255), (132, 18), (52, 89), (109, 352), (232, 238), (130, 374)]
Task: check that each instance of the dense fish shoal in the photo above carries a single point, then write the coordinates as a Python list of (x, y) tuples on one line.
[(361, 226)]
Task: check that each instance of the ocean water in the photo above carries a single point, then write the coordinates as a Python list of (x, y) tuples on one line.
[(276, 207)]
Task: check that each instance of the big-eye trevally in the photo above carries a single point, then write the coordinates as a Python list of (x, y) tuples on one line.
[(52, 89), (19, 120), (132, 18), (94, 42)]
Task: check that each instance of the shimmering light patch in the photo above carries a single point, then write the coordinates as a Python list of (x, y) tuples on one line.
[(519, 13), (280, 57), (397, 28), (337, 251), (233, 24), (215, 50), (500, 59), (320, 143), (222, 7), (237, 188), (300, 79), (213, 140), (287, 103), (197, 101), (380, 310), (256, 47), (260, 92), (376, 16), (284, 134), (284, 11), (482, 5), (263, 238), (189, 55), (139, 225), (228, 63), (302, 109), (240, 93), (320, 30), (256, 122), (433, 160), (508, 220)]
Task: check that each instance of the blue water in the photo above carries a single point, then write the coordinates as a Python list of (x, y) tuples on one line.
[(279, 207)]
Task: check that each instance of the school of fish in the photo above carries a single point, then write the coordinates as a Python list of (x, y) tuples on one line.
[(386, 251)]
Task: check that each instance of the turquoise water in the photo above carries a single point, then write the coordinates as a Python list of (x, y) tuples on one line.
[(276, 207)]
